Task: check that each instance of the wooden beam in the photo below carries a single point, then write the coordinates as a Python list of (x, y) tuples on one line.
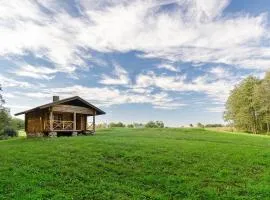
[(72, 109), (51, 120), (74, 121), (26, 122), (41, 124), (82, 122), (94, 122), (44, 122)]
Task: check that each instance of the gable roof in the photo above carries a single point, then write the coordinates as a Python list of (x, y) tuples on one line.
[(98, 111)]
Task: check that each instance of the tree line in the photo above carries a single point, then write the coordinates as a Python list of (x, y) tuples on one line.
[(150, 124), (9, 126), (248, 106)]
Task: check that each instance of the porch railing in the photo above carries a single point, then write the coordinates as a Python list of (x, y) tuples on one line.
[(60, 125), (89, 127)]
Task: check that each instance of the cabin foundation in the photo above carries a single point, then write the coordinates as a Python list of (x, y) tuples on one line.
[(74, 134), (52, 134)]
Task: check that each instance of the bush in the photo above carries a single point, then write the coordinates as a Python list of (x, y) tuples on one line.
[(17, 124), (200, 125), (213, 125), (10, 132), (102, 125), (130, 126), (5, 120), (119, 124), (138, 125), (152, 124)]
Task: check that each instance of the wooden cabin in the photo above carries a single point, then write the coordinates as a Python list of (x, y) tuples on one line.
[(61, 117)]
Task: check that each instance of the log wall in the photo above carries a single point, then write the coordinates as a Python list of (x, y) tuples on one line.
[(37, 122)]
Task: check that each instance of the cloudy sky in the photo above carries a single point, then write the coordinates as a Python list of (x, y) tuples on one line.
[(139, 60)]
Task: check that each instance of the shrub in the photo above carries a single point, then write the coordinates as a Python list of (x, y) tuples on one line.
[(4, 119), (17, 124), (10, 132), (152, 124), (130, 126), (200, 125), (102, 125), (138, 125), (119, 124), (213, 125)]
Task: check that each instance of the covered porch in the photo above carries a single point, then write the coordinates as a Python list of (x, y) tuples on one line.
[(64, 118)]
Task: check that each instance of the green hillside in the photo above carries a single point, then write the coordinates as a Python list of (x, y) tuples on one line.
[(137, 164)]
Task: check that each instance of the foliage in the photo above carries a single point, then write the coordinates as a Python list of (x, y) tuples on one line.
[(119, 125), (5, 121), (2, 101), (138, 125), (200, 125), (10, 132), (248, 106), (213, 125), (9, 125), (191, 125), (102, 125), (156, 124), (130, 126), (17, 124), (137, 164)]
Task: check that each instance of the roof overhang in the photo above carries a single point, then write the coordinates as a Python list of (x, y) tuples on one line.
[(98, 111)]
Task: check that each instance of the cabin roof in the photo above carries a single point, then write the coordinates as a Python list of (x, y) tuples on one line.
[(67, 100)]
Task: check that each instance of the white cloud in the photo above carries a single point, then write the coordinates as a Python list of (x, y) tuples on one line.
[(168, 67), (220, 72), (257, 58), (195, 31), (217, 89), (106, 96), (35, 72), (120, 77), (10, 82)]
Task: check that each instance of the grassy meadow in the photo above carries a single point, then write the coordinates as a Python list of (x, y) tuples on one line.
[(137, 164)]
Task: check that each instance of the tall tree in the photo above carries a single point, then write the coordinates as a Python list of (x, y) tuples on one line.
[(2, 101), (262, 102), (4, 117), (241, 107)]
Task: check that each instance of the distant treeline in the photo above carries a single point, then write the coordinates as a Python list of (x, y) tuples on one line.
[(150, 124), (200, 125), (248, 106)]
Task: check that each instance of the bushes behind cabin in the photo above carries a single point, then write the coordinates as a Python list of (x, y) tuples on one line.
[(9, 126)]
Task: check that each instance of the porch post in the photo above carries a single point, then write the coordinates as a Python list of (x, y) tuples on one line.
[(74, 121), (51, 121), (94, 121)]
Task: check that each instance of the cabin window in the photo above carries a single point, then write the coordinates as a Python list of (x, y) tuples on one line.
[(58, 117)]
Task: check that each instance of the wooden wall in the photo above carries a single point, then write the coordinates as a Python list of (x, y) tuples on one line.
[(38, 121), (34, 122), (81, 121)]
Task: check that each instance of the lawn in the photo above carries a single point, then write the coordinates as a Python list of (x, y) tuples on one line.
[(137, 164)]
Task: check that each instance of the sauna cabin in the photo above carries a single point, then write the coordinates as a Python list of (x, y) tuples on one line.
[(68, 116)]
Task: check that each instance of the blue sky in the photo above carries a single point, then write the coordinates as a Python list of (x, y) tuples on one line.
[(169, 60)]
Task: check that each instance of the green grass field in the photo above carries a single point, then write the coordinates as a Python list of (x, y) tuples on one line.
[(137, 164)]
